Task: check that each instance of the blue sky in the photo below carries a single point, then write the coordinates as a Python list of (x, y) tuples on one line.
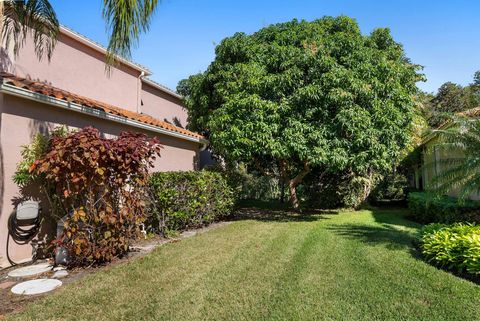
[(441, 35)]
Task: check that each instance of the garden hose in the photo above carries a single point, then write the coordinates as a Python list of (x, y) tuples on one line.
[(20, 235)]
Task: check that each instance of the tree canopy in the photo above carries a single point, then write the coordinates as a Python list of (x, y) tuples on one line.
[(301, 95), (451, 98), (476, 78)]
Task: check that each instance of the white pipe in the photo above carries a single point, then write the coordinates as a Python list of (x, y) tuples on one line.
[(139, 91)]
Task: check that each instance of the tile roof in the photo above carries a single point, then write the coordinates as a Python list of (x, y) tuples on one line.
[(44, 89), (473, 112)]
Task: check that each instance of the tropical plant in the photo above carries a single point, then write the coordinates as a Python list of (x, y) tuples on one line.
[(455, 247), (125, 19), (100, 185), (33, 151), (30, 153), (18, 18), (459, 145), (302, 95)]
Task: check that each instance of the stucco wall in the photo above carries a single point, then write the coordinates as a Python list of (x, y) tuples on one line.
[(432, 165), (21, 119), (80, 69), (160, 105)]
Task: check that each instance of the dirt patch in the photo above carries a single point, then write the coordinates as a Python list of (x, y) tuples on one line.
[(10, 303)]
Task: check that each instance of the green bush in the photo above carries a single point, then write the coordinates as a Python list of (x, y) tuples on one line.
[(428, 208), (335, 190), (181, 200), (454, 247), (391, 187), (249, 184)]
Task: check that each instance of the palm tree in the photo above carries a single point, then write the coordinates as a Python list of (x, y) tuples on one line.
[(461, 168), (126, 20), (18, 18)]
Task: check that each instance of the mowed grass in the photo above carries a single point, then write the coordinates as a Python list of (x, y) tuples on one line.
[(275, 266)]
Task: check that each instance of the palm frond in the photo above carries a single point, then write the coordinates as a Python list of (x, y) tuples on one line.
[(126, 19), (35, 17), (462, 170)]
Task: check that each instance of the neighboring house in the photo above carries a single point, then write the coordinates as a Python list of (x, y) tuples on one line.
[(73, 89), (432, 156)]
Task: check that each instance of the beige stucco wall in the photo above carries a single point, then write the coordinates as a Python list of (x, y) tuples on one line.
[(21, 119), (160, 105), (80, 69), (432, 166)]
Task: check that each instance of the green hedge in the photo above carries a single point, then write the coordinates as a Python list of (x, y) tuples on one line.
[(181, 200), (427, 208), (454, 247)]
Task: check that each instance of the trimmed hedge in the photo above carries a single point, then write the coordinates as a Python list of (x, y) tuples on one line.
[(182, 200), (454, 247), (426, 208)]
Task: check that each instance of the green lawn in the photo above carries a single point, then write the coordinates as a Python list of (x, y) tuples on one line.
[(347, 266)]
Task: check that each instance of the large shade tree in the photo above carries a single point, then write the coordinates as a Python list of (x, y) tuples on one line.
[(301, 95), (125, 19)]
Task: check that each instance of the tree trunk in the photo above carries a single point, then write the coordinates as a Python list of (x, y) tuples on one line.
[(292, 187), (282, 190), (283, 179)]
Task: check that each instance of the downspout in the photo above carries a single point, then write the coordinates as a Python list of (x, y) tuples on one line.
[(203, 146), (139, 89)]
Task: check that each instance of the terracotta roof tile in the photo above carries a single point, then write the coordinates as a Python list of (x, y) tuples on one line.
[(473, 112), (45, 89)]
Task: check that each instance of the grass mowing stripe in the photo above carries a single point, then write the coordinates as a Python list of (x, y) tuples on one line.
[(350, 266)]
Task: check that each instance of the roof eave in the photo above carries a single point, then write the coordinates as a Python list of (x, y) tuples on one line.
[(161, 88), (84, 40), (428, 137), (41, 98)]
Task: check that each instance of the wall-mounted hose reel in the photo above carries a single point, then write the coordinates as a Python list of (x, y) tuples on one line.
[(23, 225)]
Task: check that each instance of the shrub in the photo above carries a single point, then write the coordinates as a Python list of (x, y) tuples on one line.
[(454, 247), (428, 208), (181, 200), (99, 184), (33, 151), (249, 184), (336, 190), (391, 187)]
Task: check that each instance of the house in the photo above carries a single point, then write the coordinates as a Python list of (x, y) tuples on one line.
[(432, 155), (73, 89)]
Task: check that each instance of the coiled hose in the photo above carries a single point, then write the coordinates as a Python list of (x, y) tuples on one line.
[(21, 235)]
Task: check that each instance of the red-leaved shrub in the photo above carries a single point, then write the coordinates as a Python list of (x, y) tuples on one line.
[(99, 183)]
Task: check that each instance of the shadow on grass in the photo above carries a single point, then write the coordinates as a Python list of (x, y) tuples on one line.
[(391, 229), (384, 234), (271, 211), (397, 217)]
